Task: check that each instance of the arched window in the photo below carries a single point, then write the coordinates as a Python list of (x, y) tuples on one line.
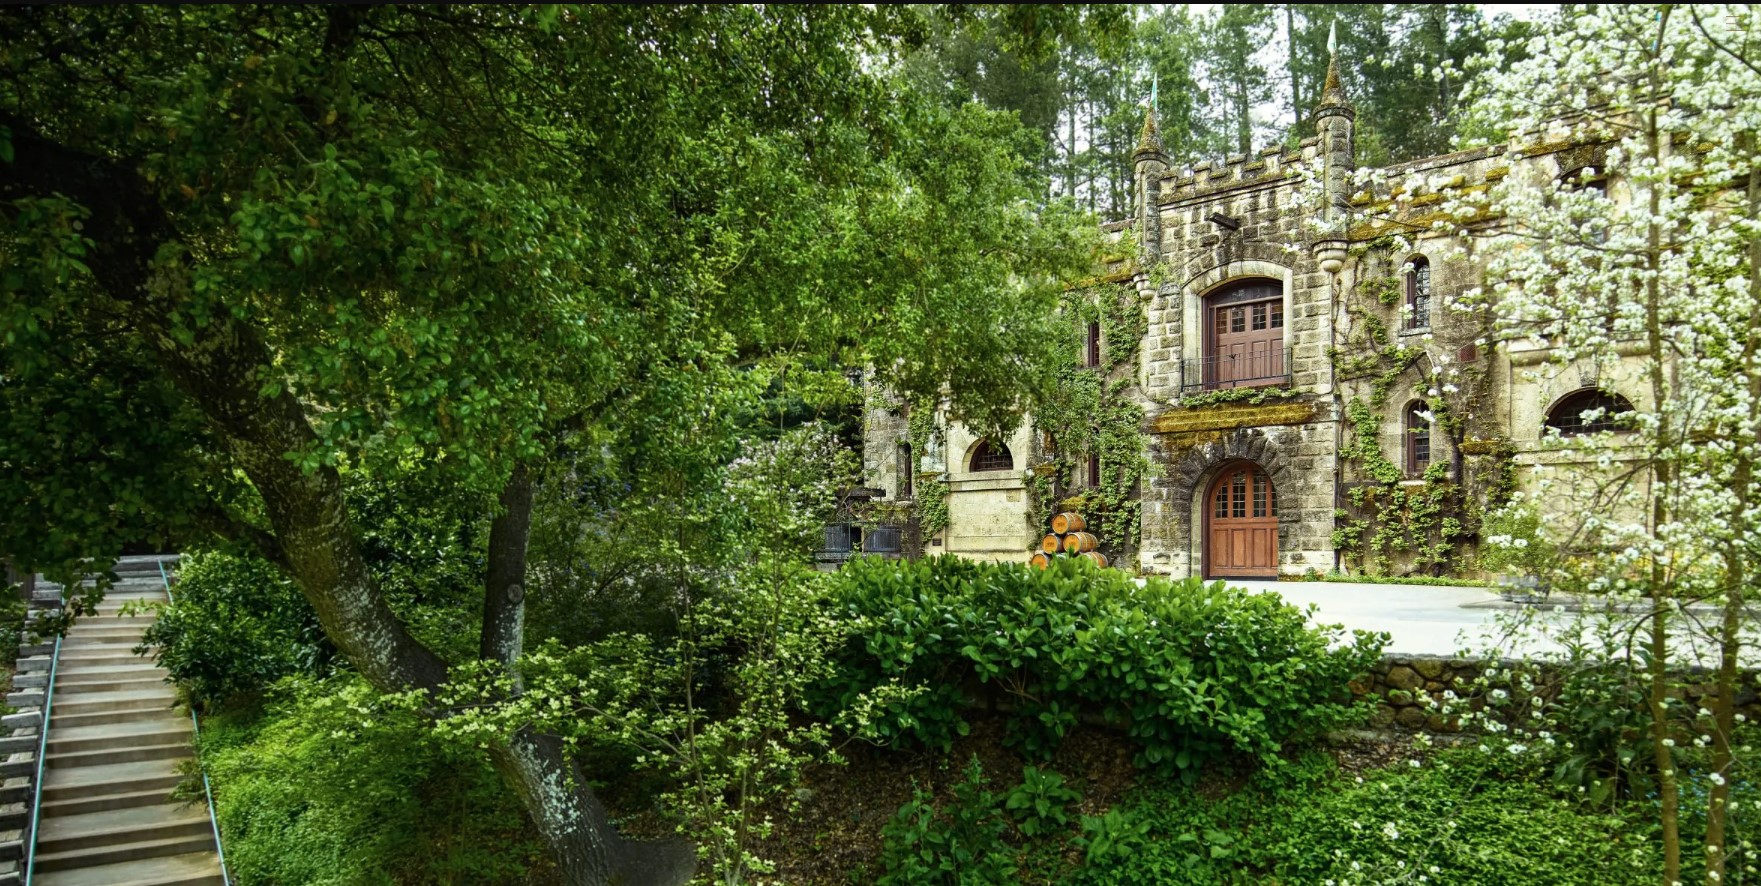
[(1418, 293), (1417, 427), (991, 456), (904, 471), (1587, 412)]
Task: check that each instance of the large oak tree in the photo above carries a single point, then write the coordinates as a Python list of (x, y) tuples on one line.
[(249, 250)]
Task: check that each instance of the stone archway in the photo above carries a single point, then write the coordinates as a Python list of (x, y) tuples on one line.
[(1240, 524), (1192, 469)]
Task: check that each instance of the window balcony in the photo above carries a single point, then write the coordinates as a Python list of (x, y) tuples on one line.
[(1222, 372)]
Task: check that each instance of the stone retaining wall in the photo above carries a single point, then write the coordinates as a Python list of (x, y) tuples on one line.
[(1412, 691)]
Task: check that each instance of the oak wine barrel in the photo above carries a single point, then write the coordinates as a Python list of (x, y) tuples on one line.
[(1069, 521), (1051, 544), (1096, 557), (1079, 542), (1040, 560)]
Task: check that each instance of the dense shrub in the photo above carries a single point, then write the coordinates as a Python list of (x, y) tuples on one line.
[(1192, 671), (236, 626), (328, 783)]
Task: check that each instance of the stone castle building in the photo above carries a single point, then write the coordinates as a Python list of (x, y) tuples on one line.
[(1311, 398)]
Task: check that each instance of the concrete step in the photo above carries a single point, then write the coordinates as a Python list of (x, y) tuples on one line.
[(196, 869), (114, 658), (100, 802), (76, 687), (139, 824), (116, 735), (60, 719), (78, 634), (109, 780), (174, 750), (158, 697), (117, 853), (66, 673)]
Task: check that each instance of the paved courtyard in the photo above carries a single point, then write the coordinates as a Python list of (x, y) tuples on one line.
[(1425, 620)]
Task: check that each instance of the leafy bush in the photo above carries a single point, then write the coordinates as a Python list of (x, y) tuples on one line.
[(1038, 803), (330, 783), (1191, 671), (962, 844), (236, 626)]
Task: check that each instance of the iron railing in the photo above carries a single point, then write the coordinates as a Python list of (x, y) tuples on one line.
[(30, 861), (1221, 372)]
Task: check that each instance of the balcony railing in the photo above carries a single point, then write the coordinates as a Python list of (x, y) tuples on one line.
[(1224, 371)]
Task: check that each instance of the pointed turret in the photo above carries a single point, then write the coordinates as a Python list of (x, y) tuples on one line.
[(1333, 123), (1149, 141), (1148, 164)]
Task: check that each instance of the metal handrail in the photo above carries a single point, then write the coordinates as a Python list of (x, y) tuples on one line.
[(207, 791), (1222, 372), (30, 864)]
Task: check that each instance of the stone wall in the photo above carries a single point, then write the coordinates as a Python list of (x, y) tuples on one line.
[(1414, 693)]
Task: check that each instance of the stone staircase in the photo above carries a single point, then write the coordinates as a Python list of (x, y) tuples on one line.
[(114, 745)]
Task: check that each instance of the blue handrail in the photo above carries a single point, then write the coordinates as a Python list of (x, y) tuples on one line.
[(196, 722), (30, 865)]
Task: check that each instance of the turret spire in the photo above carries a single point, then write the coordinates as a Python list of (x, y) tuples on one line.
[(1332, 92)]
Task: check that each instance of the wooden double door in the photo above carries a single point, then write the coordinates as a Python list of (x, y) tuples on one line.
[(1241, 524), (1246, 331)]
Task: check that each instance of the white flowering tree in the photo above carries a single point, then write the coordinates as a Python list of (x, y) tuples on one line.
[(1651, 267)]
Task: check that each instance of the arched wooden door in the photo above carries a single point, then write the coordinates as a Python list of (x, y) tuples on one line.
[(1241, 524)]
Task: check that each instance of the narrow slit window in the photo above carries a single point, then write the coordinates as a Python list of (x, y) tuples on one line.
[(1418, 439), (1094, 344), (1418, 294)]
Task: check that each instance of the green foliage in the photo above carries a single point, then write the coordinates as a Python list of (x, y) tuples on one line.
[(1426, 524), (328, 783), (1370, 579), (931, 494), (1192, 672), (235, 626), (1088, 412), (1249, 396), (1039, 802), (709, 712), (1462, 817), (1514, 541), (959, 845)]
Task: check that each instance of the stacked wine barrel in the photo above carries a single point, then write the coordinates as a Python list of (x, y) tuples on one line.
[(1069, 538)]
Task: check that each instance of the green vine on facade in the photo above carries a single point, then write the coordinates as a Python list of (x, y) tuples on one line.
[(1244, 396), (1090, 413), (931, 494), (1388, 521)]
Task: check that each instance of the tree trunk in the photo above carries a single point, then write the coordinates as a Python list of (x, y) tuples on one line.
[(1663, 473), (1736, 572), (1290, 65), (568, 816)]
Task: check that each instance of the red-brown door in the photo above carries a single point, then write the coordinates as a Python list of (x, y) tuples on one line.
[(1241, 524), (1247, 343)]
